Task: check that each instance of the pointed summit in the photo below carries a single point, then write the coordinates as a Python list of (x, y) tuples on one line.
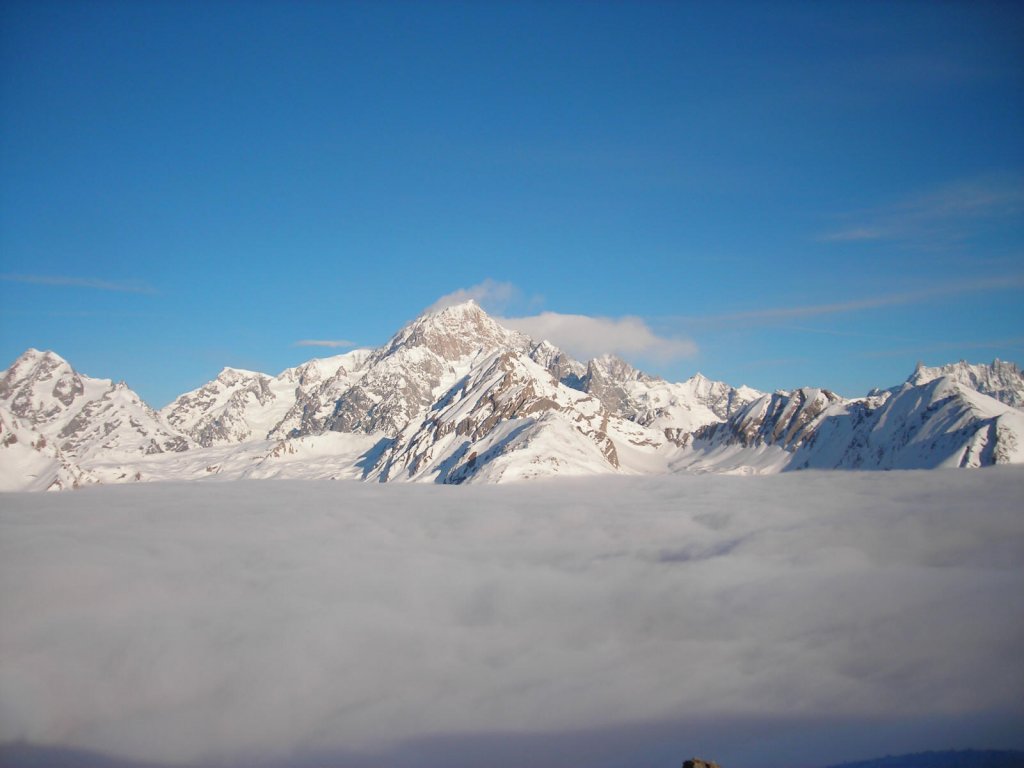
[(467, 306), (41, 386), (33, 358), (455, 332), (427, 355)]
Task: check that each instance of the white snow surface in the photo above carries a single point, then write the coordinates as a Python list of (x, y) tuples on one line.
[(598, 621), (31, 463)]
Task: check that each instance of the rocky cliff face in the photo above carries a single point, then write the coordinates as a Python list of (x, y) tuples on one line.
[(404, 377), (506, 404), (780, 419)]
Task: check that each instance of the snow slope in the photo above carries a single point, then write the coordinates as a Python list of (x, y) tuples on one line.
[(29, 462)]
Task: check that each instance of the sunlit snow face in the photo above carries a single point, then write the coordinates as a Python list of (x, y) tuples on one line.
[(789, 620)]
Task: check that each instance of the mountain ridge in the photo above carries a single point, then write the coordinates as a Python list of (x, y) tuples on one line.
[(455, 397)]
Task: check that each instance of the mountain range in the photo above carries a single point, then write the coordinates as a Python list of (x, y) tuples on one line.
[(455, 397)]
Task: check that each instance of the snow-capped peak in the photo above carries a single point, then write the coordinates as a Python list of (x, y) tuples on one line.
[(43, 388), (80, 416), (1000, 379), (455, 332)]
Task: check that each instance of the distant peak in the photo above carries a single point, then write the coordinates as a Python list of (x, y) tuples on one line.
[(464, 314), (236, 373)]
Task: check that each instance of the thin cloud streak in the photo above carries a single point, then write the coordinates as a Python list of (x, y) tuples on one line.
[(982, 285), (1017, 342), (952, 211), (848, 334), (853, 235), (65, 281), (324, 343)]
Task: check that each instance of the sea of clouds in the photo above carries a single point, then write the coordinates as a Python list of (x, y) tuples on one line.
[(798, 619)]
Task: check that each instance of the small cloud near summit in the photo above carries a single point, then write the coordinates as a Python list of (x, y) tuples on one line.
[(585, 337), (582, 336), (489, 294)]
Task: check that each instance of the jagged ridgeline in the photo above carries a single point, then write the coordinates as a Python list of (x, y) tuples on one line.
[(455, 397)]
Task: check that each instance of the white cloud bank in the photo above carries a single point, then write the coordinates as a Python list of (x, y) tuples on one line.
[(790, 620), (585, 337)]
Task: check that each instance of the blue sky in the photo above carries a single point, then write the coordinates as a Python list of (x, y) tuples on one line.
[(773, 194)]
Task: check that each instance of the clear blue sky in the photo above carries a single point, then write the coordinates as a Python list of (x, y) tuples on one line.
[(785, 194)]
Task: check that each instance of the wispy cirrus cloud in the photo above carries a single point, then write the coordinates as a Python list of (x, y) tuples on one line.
[(333, 343), (951, 212), (1013, 342), (853, 235), (928, 293), (66, 281)]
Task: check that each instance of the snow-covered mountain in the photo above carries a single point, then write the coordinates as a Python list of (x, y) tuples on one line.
[(674, 408), (506, 418), (82, 416), (455, 397), (940, 423), (239, 406), (404, 378), (999, 379)]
